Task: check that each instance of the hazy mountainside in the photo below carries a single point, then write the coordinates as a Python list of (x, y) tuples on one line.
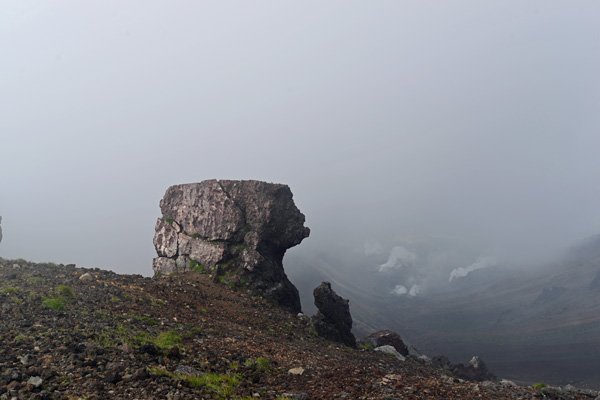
[(71, 333), (530, 325)]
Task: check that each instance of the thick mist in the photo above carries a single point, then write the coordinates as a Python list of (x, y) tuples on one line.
[(475, 122)]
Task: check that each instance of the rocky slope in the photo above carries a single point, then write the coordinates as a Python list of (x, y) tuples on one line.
[(71, 333), (529, 324)]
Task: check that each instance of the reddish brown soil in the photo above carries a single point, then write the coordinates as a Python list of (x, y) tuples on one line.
[(100, 344)]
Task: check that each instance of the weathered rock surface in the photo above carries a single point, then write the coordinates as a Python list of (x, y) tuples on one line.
[(238, 231), (333, 320), (387, 338)]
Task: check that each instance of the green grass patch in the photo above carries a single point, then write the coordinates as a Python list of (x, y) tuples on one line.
[(164, 340), (9, 291), (22, 338), (105, 339), (156, 302), (260, 364), (63, 295), (539, 386), (65, 291), (197, 267), (56, 303), (34, 280), (366, 346), (168, 340), (222, 386)]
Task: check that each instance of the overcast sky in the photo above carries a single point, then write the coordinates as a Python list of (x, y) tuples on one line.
[(477, 120)]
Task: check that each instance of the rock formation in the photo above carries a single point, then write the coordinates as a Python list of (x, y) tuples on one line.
[(333, 320), (237, 231), (475, 370), (387, 338)]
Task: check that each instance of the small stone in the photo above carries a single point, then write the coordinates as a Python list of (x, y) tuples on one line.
[(150, 349), (14, 385), (35, 381), (25, 360), (126, 348), (296, 371), (87, 277), (186, 370), (140, 374), (296, 396), (174, 352), (112, 377)]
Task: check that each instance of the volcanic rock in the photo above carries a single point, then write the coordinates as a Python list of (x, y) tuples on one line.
[(333, 320), (245, 342), (237, 231), (391, 350), (387, 338), (475, 370)]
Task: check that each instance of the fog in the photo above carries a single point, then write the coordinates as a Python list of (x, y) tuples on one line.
[(472, 121)]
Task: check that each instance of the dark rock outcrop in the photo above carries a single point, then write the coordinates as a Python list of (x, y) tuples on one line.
[(475, 370), (387, 338), (333, 320), (237, 231), (441, 362)]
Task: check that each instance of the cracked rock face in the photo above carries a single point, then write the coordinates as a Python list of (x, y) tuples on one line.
[(238, 231)]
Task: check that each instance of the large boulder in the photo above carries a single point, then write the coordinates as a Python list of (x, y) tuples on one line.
[(237, 231), (333, 320), (387, 338)]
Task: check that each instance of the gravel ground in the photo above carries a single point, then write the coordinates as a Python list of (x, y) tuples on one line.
[(72, 333)]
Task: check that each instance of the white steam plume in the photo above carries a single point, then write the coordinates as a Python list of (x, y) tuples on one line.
[(401, 290), (461, 272), (399, 257)]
